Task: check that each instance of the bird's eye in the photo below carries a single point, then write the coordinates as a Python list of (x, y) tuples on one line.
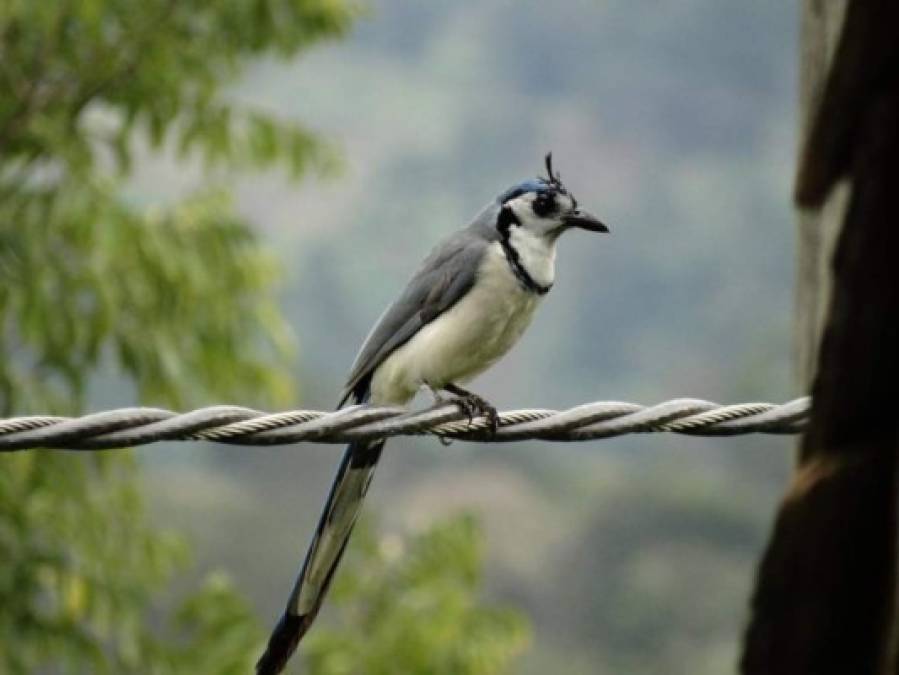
[(543, 205)]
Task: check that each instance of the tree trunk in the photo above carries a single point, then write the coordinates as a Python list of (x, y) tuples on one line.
[(818, 226), (826, 590)]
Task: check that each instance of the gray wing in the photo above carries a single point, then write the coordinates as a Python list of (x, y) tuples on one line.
[(443, 278)]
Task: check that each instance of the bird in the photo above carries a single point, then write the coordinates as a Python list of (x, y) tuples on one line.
[(467, 304)]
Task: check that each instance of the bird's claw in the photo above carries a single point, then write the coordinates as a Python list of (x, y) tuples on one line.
[(475, 406)]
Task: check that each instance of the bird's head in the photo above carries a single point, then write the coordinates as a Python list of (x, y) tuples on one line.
[(543, 207)]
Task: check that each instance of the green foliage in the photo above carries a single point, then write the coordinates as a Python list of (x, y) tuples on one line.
[(80, 83), (80, 78), (173, 297), (82, 573), (412, 607), (179, 300), (214, 632)]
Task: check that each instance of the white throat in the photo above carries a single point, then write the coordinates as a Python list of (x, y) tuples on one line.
[(536, 254)]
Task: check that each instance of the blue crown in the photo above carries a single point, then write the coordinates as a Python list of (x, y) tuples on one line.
[(552, 182), (532, 185)]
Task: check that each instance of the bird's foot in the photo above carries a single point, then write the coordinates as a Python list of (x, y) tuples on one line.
[(475, 406)]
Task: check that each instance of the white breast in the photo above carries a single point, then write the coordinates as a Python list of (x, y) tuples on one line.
[(467, 339)]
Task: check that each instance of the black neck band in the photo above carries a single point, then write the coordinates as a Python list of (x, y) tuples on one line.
[(504, 224)]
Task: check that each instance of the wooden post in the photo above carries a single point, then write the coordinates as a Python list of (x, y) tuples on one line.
[(825, 599), (821, 24)]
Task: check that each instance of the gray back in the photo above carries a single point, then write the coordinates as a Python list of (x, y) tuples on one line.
[(444, 277)]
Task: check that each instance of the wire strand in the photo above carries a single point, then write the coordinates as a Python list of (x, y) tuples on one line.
[(235, 425)]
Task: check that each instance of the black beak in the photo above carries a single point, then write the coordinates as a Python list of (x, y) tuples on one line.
[(585, 221)]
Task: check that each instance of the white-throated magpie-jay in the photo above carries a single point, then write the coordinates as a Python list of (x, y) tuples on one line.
[(467, 304)]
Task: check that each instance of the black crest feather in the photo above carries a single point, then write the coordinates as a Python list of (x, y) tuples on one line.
[(552, 178)]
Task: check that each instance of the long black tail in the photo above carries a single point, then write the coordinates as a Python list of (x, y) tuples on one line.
[(341, 510)]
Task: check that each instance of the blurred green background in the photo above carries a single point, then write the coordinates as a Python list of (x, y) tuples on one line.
[(212, 201)]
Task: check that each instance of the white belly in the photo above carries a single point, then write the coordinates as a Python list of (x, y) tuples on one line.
[(464, 341)]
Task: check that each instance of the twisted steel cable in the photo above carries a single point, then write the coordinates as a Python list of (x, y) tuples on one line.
[(243, 426)]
